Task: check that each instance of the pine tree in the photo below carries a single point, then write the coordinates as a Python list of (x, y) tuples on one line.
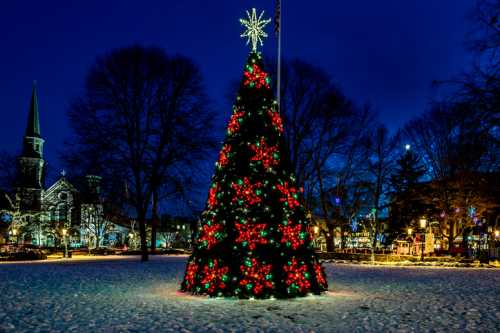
[(407, 204), (254, 239)]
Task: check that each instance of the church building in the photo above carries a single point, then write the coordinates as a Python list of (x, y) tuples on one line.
[(45, 216)]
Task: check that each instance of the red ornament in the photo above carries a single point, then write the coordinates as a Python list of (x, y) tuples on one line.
[(214, 277), (252, 234), (210, 235), (224, 156), (246, 192), (289, 195), (256, 275), (255, 76), (296, 277), (212, 195), (265, 154), (234, 122), (276, 120), (190, 277), (320, 275), (291, 234)]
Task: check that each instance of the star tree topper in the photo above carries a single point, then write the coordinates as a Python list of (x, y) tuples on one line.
[(254, 29)]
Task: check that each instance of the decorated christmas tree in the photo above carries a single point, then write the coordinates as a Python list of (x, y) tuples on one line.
[(254, 238)]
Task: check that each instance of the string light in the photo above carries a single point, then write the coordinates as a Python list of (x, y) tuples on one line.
[(246, 192), (268, 156), (276, 120), (212, 195), (190, 276), (293, 235), (251, 234), (320, 275), (297, 277), (224, 156), (290, 195), (255, 77), (211, 234), (257, 276), (254, 28), (214, 277), (234, 122)]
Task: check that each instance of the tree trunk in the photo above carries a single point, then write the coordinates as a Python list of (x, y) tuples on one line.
[(342, 236), (142, 232), (97, 232), (373, 249), (330, 246), (154, 221), (451, 235)]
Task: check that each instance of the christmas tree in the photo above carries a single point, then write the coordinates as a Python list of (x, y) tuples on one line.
[(254, 239)]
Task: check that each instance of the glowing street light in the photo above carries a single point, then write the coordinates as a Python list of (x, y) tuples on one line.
[(423, 224), (407, 147), (14, 234), (64, 232), (410, 230)]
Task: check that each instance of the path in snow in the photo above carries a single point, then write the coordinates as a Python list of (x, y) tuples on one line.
[(129, 296)]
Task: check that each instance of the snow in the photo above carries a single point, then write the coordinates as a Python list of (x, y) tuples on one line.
[(128, 296)]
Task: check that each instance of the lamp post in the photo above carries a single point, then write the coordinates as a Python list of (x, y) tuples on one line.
[(64, 231), (410, 230), (423, 224), (131, 241), (14, 234)]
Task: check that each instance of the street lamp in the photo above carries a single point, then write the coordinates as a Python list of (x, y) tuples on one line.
[(64, 232), (423, 224), (14, 234), (131, 240), (410, 230), (407, 147)]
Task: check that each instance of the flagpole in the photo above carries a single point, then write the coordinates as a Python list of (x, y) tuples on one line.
[(279, 24)]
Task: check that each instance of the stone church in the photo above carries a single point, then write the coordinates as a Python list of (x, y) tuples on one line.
[(46, 214)]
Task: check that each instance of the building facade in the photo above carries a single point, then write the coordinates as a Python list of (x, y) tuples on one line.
[(62, 212)]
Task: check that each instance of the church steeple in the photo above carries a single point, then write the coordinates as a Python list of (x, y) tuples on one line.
[(33, 142), (31, 164), (33, 126)]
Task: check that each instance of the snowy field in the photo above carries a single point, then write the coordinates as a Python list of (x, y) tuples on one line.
[(127, 296)]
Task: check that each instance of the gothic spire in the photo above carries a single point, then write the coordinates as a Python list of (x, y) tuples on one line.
[(33, 126)]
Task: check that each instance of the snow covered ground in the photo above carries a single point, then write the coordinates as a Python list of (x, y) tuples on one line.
[(127, 296)]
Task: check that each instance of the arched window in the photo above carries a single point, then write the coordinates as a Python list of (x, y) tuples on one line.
[(62, 212), (52, 214)]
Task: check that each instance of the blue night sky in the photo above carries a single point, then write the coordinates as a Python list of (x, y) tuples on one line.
[(383, 52)]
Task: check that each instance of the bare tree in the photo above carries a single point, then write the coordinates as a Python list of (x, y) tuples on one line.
[(8, 170), (340, 182), (458, 144), (144, 114), (380, 167)]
